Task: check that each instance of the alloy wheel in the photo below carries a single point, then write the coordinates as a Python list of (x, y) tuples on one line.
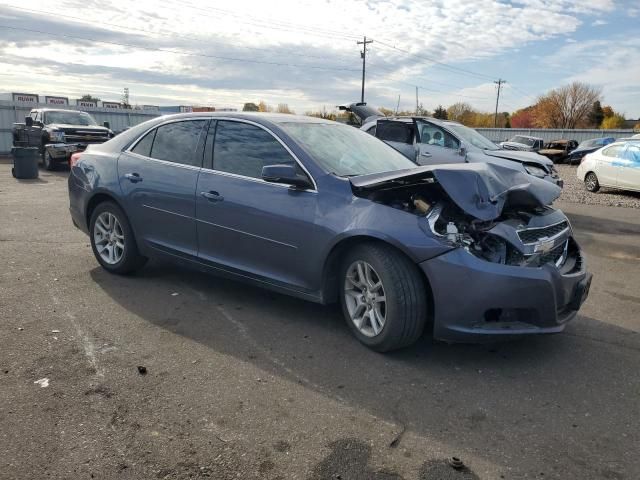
[(365, 298), (108, 237)]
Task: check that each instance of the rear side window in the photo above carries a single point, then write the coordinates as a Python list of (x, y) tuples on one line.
[(177, 142), (394, 132), (614, 151), (244, 149), (143, 147)]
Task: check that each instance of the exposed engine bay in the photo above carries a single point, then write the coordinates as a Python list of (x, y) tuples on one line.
[(525, 234)]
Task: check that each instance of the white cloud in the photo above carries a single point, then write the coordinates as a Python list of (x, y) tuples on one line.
[(598, 23), (318, 36)]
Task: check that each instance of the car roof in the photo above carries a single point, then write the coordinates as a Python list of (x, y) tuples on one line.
[(259, 117)]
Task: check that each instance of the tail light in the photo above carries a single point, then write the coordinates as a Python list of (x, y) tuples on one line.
[(74, 159)]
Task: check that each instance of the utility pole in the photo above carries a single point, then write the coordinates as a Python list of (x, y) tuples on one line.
[(416, 100), (398, 105), (498, 82), (363, 55)]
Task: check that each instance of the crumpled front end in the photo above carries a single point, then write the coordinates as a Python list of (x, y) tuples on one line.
[(523, 275)]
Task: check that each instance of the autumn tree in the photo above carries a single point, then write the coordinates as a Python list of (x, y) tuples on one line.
[(596, 115), (523, 118), (460, 112), (387, 112), (440, 113), (613, 122), (566, 107), (607, 111), (284, 108), (250, 107), (263, 107)]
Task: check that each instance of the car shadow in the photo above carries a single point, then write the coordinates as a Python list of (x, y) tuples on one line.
[(522, 398)]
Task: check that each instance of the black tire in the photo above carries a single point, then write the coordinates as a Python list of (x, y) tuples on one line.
[(47, 161), (404, 290), (131, 259), (591, 182)]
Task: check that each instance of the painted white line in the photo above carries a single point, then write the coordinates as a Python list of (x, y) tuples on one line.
[(43, 382)]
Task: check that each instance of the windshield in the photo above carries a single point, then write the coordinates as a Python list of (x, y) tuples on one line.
[(524, 140), (588, 143), (346, 151), (68, 118), (472, 137), (555, 146)]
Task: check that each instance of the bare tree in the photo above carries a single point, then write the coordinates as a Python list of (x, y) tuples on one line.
[(566, 107), (284, 108)]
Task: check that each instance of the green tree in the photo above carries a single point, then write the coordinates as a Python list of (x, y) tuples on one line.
[(250, 107), (89, 98), (596, 115), (440, 113)]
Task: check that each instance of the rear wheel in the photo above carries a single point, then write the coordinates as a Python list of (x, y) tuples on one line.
[(591, 182), (383, 297), (112, 240)]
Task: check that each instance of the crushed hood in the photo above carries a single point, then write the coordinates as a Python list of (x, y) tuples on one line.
[(520, 156), (480, 189)]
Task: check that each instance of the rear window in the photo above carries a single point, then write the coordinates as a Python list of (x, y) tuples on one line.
[(143, 147)]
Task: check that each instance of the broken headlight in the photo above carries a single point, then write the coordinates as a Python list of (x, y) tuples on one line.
[(535, 170)]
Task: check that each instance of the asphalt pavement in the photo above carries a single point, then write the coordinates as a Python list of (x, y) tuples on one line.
[(175, 374)]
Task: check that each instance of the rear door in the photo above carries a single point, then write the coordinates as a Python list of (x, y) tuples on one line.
[(249, 226), (629, 167), (437, 145), (158, 177), (607, 166), (399, 135)]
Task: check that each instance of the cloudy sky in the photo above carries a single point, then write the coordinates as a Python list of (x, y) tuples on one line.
[(304, 52)]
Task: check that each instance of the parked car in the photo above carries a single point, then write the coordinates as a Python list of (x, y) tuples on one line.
[(558, 150), (524, 143), (588, 146), (615, 166), (59, 133), (325, 212), (430, 141)]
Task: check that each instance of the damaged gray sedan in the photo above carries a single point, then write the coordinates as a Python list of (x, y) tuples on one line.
[(326, 212)]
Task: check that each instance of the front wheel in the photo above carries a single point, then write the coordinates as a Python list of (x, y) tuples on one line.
[(112, 240), (47, 160), (591, 182), (383, 297)]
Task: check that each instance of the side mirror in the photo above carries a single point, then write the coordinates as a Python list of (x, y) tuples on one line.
[(28, 121), (286, 174), (106, 125), (462, 150)]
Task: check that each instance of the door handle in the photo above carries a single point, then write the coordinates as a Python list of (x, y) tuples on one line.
[(133, 177), (212, 196), (425, 154)]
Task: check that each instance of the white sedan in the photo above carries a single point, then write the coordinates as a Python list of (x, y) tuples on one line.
[(615, 166)]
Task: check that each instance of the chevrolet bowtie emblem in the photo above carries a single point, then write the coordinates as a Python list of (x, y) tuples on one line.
[(544, 245)]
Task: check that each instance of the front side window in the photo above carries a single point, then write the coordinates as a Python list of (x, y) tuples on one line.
[(243, 149), (177, 142), (433, 135)]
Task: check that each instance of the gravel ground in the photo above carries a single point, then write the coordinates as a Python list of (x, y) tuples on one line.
[(574, 192)]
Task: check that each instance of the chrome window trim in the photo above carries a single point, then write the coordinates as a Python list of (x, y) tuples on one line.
[(241, 120)]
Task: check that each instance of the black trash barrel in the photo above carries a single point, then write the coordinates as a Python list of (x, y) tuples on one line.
[(25, 162)]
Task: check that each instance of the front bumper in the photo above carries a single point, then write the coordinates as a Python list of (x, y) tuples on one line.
[(476, 300), (63, 151)]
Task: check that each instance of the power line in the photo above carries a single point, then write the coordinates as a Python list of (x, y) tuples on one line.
[(182, 52), (83, 21)]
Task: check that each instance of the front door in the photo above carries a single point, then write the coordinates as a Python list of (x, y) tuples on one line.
[(607, 167), (437, 146), (246, 225), (158, 177), (629, 167)]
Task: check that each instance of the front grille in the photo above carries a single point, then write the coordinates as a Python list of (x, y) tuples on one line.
[(86, 138), (552, 256), (534, 235), (515, 257)]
